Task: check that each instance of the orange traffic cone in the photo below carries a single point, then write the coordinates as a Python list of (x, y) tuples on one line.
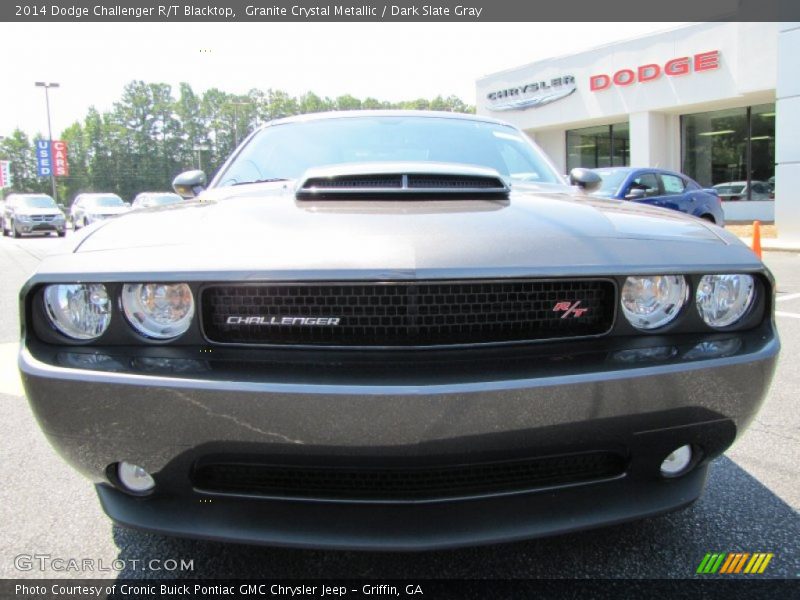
[(757, 238)]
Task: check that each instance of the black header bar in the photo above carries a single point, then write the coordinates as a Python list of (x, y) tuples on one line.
[(277, 11)]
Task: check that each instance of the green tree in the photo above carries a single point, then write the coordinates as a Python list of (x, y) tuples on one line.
[(348, 102), (20, 151), (149, 136), (77, 156)]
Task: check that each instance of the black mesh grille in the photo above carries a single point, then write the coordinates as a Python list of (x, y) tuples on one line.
[(453, 181), (356, 181), (406, 483), (407, 314)]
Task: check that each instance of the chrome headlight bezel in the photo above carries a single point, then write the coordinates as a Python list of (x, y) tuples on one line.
[(153, 322), (673, 288), (62, 298), (738, 308)]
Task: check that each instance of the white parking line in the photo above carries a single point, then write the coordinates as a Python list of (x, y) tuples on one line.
[(780, 313), (787, 297)]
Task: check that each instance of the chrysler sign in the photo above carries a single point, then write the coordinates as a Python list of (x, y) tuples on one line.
[(531, 95)]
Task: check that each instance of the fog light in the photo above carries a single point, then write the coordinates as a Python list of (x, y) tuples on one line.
[(135, 478), (676, 463)]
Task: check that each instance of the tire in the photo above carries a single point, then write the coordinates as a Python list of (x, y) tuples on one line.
[(62, 233), (14, 232)]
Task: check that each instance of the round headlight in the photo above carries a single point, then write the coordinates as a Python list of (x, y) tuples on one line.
[(724, 299), (81, 311), (653, 301), (158, 310)]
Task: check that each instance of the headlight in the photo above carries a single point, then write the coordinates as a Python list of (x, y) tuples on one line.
[(23, 217), (653, 301), (81, 311), (158, 310), (724, 299)]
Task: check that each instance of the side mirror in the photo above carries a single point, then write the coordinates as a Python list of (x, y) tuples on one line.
[(61, 206), (189, 184), (635, 194), (585, 178)]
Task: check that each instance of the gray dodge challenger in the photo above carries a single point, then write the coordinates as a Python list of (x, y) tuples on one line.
[(395, 330)]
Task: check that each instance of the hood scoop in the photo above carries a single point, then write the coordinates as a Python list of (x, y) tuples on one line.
[(399, 181)]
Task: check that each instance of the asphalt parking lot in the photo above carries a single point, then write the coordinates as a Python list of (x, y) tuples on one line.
[(750, 504)]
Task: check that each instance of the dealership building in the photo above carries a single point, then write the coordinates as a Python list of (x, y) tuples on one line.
[(717, 101)]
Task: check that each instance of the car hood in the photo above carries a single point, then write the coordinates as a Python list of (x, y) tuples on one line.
[(259, 231), (28, 211)]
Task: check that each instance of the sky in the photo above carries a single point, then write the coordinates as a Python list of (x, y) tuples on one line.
[(388, 61)]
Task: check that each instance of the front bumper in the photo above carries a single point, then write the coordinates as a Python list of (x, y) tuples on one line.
[(41, 226), (172, 412)]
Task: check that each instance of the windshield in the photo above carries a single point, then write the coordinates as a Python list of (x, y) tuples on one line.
[(612, 179), (287, 151), (39, 202), (106, 201)]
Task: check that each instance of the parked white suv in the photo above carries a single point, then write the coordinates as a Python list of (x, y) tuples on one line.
[(88, 208)]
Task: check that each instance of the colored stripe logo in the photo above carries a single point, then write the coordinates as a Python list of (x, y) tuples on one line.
[(734, 563)]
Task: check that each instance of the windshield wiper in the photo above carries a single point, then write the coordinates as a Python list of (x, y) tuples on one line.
[(271, 180)]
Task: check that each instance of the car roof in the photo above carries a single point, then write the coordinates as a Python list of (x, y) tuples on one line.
[(350, 114), (635, 169)]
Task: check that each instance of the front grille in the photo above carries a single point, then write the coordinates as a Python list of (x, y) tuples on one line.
[(395, 186), (409, 483), (356, 181), (453, 181), (407, 313), (42, 218)]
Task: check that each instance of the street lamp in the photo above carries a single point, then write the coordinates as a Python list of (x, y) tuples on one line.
[(199, 150), (236, 106), (46, 87)]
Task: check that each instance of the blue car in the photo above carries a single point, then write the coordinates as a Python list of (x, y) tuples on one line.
[(658, 187)]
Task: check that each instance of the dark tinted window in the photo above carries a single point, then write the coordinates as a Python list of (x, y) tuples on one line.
[(647, 182)]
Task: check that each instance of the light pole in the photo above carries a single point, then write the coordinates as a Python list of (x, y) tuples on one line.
[(236, 106), (47, 87), (200, 150)]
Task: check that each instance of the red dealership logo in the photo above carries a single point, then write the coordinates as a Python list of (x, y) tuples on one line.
[(705, 61)]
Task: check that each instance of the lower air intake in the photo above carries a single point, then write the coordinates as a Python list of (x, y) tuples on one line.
[(406, 484)]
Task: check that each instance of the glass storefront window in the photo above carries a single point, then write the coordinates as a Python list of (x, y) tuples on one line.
[(602, 146), (732, 150), (762, 143)]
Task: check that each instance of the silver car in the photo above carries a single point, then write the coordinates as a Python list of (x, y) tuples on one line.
[(153, 199), (25, 214), (395, 330), (740, 190), (88, 208)]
